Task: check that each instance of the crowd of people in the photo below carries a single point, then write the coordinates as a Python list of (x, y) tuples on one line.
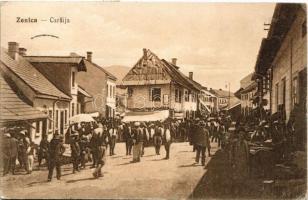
[(90, 142)]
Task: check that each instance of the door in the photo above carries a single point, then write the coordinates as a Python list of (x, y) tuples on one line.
[(62, 122)]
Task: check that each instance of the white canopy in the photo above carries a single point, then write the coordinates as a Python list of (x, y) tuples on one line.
[(146, 116), (81, 118)]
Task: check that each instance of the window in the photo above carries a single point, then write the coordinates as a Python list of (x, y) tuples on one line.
[(176, 95), (50, 118), (180, 96), (37, 126), (57, 114), (304, 28), (73, 109), (73, 79), (186, 96), (130, 92), (156, 94), (276, 95), (65, 116), (114, 92), (295, 91)]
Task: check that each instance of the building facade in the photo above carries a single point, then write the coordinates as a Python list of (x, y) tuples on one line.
[(155, 84), (103, 91)]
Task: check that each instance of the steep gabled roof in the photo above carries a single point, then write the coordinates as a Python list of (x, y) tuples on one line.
[(150, 69), (91, 64), (31, 76), (14, 108)]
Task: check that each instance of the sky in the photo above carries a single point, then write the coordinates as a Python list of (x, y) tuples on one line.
[(219, 42)]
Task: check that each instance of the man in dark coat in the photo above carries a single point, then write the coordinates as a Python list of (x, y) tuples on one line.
[(202, 141), (43, 151), (55, 152), (75, 151), (6, 153), (127, 133), (14, 153), (158, 138)]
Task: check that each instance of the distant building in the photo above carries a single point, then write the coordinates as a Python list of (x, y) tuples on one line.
[(222, 98), (207, 102), (158, 85), (247, 95), (101, 84)]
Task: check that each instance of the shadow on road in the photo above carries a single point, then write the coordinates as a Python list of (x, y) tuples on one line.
[(216, 181), (190, 165), (82, 179)]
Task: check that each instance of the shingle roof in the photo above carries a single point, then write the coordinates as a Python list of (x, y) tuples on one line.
[(91, 64), (30, 75), (154, 70), (13, 108)]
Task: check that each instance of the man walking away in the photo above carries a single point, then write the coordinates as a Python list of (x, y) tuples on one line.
[(167, 141), (158, 139), (43, 150), (75, 151), (201, 142), (55, 152), (101, 141)]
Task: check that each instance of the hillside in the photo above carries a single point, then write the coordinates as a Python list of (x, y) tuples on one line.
[(118, 71)]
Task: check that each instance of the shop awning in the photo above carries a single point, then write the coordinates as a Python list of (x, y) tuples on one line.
[(146, 116)]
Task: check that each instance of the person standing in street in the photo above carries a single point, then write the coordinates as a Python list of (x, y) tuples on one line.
[(158, 138), (43, 150), (100, 144), (240, 166), (201, 142), (127, 134), (30, 156), (6, 153), (13, 153), (113, 139), (136, 141), (56, 150), (167, 139), (75, 151)]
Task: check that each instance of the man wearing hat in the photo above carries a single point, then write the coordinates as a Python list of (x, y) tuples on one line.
[(75, 151), (137, 139), (158, 133), (202, 138), (56, 150), (22, 150)]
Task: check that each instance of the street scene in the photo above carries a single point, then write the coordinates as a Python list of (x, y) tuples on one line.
[(147, 103)]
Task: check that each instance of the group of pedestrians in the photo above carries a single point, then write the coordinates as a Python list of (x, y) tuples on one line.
[(17, 146)]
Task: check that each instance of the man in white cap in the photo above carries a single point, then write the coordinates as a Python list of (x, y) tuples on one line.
[(137, 134)]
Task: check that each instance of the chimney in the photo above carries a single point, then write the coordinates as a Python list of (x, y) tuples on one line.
[(191, 74), (13, 49), (22, 51), (89, 56), (145, 53), (220, 89), (173, 60)]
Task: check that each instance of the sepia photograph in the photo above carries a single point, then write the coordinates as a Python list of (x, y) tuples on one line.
[(153, 100)]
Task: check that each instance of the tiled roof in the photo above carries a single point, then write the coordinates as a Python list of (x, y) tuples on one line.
[(222, 93), (78, 60), (91, 64), (30, 75), (177, 72), (13, 108), (234, 101)]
